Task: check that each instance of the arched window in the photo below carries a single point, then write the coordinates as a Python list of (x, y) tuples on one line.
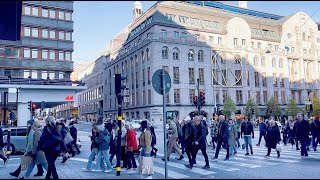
[(122, 67), (142, 56), (280, 63), (175, 53), (263, 61), (132, 62), (118, 69), (303, 36), (191, 55), (148, 54), (255, 60), (165, 51), (136, 59), (200, 55), (126, 66), (237, 59), (273, 62)]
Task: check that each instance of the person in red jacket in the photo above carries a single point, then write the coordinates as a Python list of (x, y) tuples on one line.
[(132, 145)]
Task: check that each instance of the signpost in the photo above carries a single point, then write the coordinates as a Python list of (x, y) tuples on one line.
[(161, 83)]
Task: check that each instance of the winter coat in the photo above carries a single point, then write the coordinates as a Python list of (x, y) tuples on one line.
[(214, 131), (200, 134), (153, 135), (172, 131), (315, 128), (302, 130), (145, 140), (233, 135), (188, 133), (63, 132), (73, 133), (30, 141), (132, 144), (93, 142), (1, 139), (273, 137), (247, 129), (50, 141), (223, 134), (39, 154), (123, 136), (103, 145), (262, 127)]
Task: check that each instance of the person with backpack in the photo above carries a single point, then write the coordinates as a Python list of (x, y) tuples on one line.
[(103, 141), (132, 145), (50, 142)]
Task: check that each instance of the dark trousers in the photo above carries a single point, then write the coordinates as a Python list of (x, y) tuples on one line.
[(297, 143), (238, 139), (315, 141), (131, 162), (260, 137), (74, 143), (291, 140), (123, 156), (203, 151), (189, 152), (304, 151), (111, 157), (39, 167), (269, 151), (226, 145), (51, 159), (285, 138)]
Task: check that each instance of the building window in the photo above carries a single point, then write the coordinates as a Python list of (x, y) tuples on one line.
[(176, 95), (34, 53), (264, 79), (292, 49), (237, 59), (144, 98), (167, 98), (176, 34), (165, 51), (191, 75), (61, 55), (263, 61), (281, 80), (275, 95), (265, 97), (192, 93), (219, 40), (45, 13), (200, 56), (300, 97), (61, 15), (215, 77), (224, 95), (239, 96), (44, 74), (61, 35), (258, 97), (148, 54), (52, 34), (61, 75), (68, 36), (211, 39), (175, 54), (68, 56), (35, 32), (44, 33), (238, 77), (149, 96), (142, 56), (44, 54), (259, 45), (273, 62), (68, 16), (35, 11), (255, 60), (148, 71), (256, 79), (248, 78), (176, 76), (275, 80), (243, 42), (289, 35), (235, 41), (52, 13), (26, 73), (34, 74), (27, 31), (201, 76), (27, 10), (252, 44), (224, 77), (52, 75), (26, 53), (191, 55), (283, 97), (163, 33), (138, 98), (304, 51), (52, 54)]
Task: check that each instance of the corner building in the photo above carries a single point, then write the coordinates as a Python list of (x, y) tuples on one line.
[(233, 51)]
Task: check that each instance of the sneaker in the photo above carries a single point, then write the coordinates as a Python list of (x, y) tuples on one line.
[(278, 156), (214, 159), (188, 166), (251, 152), (247, 154), (267, 157), (226, 159), (206, 167), (180, 158), (108, 170)]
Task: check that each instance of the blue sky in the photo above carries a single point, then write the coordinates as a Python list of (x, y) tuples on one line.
[(97, 22)]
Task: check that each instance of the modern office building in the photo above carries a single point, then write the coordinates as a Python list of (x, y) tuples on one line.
[(232, 50)]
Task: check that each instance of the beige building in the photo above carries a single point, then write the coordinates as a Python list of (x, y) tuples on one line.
[(233, 51)]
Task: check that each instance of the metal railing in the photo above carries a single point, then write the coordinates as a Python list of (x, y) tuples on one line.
[(29, 81)]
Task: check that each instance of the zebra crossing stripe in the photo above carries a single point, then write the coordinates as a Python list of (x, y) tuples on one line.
[(240, 164), (171, 174), (202, 163), (181, 166), (257, 161)]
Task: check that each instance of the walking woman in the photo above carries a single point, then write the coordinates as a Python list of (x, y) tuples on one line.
[(272, 137), (50, 142), (214, 134), (145, 139), (132, 145), (233, 136), (103, 141), (154, 150), (62, 130)]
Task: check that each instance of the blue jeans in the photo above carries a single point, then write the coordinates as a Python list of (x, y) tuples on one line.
[(94, 152), (143, 152), (233, 149), (31, 166), (105, 155), (247, 141)]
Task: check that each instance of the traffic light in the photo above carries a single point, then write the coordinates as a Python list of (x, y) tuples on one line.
[(30, 105), (195, 100), (202, 98), (118, 84), (253, 110), (34, 107)]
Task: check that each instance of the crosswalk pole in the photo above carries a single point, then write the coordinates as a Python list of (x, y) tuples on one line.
[(164, 123)]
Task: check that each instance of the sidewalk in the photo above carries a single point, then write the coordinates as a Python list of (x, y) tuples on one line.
[(72, 169)]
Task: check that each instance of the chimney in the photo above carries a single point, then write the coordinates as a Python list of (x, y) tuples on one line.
[(243, 4)]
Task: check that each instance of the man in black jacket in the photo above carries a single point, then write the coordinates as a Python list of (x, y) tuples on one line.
[(5, 160), (199, 143), (262, 130), (246, 131), (73, 133), (302, 132), (223, 136), (188, 134), (315, 128)]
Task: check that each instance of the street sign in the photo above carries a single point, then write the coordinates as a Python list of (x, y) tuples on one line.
[(125, 92), (157, 81), (126, 99), (69, 98)]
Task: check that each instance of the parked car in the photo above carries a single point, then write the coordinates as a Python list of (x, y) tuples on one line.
[(18, 140)]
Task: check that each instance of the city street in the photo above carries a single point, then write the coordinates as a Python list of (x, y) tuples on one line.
[(290, 165)]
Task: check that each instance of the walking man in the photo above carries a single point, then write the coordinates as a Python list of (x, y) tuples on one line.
[(223, 136), (73, 133), (303, 130), (315, 127), (262, 130), (189, 138), (246, 131)]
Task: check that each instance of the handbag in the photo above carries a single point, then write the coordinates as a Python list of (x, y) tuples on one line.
[(278, 147), (146, 166), (25, 161), (68, 138)]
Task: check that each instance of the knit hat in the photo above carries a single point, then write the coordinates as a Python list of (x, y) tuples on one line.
[(30, 122)]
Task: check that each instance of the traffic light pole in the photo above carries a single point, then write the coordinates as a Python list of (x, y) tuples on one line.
[(119, 97), (164, 124), (199, 99)]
